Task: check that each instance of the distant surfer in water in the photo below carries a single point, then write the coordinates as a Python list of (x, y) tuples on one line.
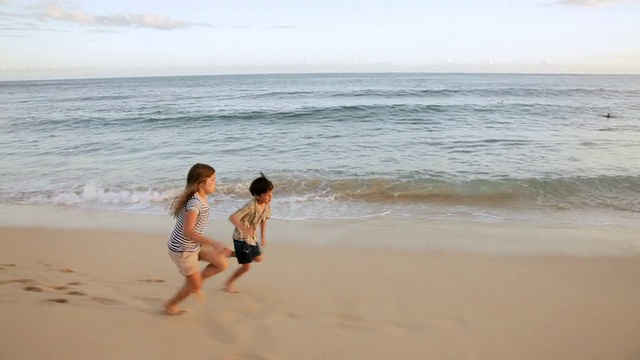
[(608, 116)]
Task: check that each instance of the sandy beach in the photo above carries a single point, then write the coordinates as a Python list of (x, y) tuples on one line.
[(97, 294)]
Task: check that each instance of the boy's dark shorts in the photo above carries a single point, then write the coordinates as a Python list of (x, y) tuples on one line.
[(245, 253)]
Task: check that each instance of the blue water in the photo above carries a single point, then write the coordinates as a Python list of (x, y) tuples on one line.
[(481, 146)]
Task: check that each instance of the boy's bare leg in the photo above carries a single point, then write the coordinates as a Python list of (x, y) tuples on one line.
[(229, 286), (191, 285)]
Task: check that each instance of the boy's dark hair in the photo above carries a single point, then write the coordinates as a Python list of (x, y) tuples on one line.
[(260, 185)]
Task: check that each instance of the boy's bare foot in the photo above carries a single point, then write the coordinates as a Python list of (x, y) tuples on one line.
[(173, 310), (230, 288)]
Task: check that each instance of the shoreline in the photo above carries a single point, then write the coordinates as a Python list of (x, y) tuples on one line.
[(382, 232), (77, 294)]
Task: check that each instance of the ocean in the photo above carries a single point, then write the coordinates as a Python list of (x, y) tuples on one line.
[(479, 147)]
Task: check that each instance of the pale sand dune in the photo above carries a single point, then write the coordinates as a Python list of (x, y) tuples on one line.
[(97, 295)]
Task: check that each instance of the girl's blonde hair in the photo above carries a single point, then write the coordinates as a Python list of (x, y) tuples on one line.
[(197, 174)]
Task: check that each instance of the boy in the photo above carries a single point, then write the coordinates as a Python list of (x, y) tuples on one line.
[(246, 220)]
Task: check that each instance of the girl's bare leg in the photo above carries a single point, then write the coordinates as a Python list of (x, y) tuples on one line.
[(191, 285), (217, 263)]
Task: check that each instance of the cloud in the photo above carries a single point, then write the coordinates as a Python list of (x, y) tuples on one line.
[(19, 27), (587, 2), (11, 21), (55, 11), (276, 27)]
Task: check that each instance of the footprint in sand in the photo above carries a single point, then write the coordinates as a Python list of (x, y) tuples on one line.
[(57, 301), (152, 280), (17, 281), (403, 327), (350, 318), (252, 356), (33, 289), (76, 293), (151, 301), (32, 286), (350, 321), (282, 317), (105, 301), (64, 270), (293, 315), (7, 265)]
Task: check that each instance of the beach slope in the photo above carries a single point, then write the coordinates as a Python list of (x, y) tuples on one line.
[(83, 294)]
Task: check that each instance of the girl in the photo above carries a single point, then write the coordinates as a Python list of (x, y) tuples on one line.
[(187, 244)]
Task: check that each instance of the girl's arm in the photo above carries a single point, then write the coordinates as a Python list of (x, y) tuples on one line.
[(189, 231)]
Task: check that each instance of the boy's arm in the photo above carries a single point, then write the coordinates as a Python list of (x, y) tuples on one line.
[(263, 232), (236, 219)]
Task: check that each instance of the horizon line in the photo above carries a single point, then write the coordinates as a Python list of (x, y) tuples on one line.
[(115, 77)]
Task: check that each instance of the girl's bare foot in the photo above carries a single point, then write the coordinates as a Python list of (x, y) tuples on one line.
[(200, 297)]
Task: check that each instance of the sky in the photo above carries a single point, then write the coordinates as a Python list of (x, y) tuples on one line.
[(113, 38)]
